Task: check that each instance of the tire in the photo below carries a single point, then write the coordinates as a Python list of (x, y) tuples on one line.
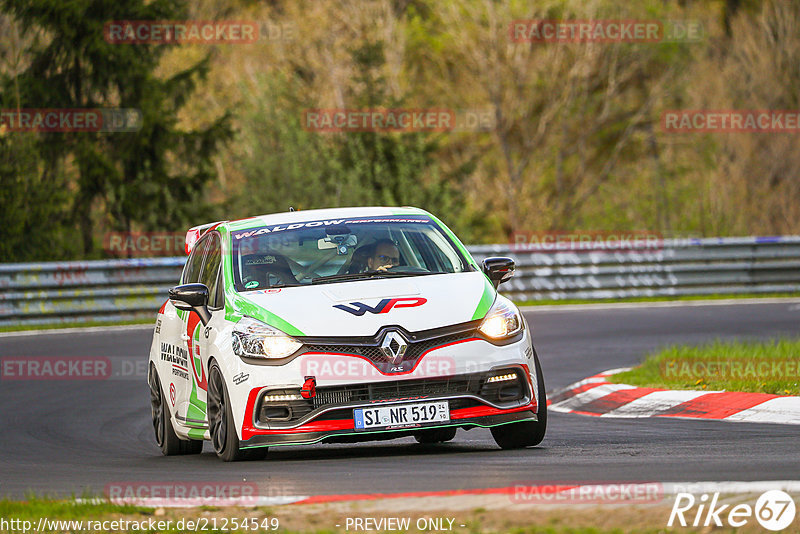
[(166, 439), (526, 433), (220, 422), (435, 435)]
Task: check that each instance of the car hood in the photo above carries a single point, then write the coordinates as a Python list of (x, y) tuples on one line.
[(362, 307)]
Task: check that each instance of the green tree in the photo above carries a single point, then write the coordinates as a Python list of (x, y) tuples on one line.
[(34, 216), (285, 164), (153, 177)]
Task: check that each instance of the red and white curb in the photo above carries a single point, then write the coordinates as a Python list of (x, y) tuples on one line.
[(597, 396)]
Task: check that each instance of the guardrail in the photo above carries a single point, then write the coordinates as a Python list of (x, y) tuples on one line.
[(85, 291), (681, 267), (117, 290)]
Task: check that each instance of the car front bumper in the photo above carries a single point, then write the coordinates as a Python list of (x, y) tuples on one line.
[(474, 400), (342, 430)]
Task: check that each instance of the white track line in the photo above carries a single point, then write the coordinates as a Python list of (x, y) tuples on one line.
[(548, 307), (757, 486), (79, 330), (615, 371), (661, 304), (155, 502)]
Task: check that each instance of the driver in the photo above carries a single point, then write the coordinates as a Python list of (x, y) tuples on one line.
[(385, 256)]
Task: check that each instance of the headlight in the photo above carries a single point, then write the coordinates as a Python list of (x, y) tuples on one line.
[(502, 321), (254, 339)]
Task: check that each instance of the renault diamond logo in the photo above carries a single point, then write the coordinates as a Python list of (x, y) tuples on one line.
[(394, 347)]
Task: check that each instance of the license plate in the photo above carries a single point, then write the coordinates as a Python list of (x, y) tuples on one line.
[(401, 415)]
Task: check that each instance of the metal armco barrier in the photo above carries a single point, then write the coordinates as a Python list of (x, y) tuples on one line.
[(679, 267), (115, 290), (85, 291)]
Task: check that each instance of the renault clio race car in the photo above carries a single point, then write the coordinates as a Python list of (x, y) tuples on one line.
[(339, 325)]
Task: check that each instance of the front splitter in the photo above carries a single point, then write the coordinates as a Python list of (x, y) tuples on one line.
[(351, 435)]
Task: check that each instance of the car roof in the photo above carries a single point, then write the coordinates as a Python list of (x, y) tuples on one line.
[(289, 217)]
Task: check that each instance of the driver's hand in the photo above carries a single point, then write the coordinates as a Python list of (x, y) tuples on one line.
[(384, 268)]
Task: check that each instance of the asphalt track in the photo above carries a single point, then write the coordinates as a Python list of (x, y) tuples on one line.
[(72, 437)]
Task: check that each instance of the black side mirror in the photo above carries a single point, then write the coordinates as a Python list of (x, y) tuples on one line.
[(191, 297), (498, 269)]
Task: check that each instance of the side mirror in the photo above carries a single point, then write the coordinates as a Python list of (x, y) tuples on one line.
[(498, 269), (191, 297)]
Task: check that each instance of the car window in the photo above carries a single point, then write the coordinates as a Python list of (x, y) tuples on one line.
[(208, 276), (218, 297), (310, 252), (191, 271)]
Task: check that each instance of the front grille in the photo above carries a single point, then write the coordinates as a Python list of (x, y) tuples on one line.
[(373, 352), (380, 391)]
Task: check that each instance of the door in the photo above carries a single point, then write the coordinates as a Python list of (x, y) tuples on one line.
[(190, 379)]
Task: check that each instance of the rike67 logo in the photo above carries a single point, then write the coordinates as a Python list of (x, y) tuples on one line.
[(774, 510)]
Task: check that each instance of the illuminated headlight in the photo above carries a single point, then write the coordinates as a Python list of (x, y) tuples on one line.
[(254, 339), (502, 321), (502, 378)]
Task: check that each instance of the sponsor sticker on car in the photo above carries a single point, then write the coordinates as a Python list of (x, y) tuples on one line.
[(401, 415)]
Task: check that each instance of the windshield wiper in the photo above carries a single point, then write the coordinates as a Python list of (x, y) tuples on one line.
[(363, 276), (273, 286)]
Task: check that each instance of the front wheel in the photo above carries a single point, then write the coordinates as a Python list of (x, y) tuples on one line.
[(220, 422), (166, 439), (526, 433)]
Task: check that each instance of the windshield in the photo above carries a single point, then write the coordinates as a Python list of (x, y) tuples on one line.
[(341, 250)]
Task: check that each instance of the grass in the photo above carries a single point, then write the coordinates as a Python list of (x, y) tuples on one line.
[(36, 507), (748, 366), (550, 302)]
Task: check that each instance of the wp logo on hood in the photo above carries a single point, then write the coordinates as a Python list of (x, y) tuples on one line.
[(385, 306)]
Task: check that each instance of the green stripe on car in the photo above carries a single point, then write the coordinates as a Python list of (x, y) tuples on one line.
[(487, 299)]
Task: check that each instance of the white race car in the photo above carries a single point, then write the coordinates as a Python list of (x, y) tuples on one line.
[(339, 325)]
